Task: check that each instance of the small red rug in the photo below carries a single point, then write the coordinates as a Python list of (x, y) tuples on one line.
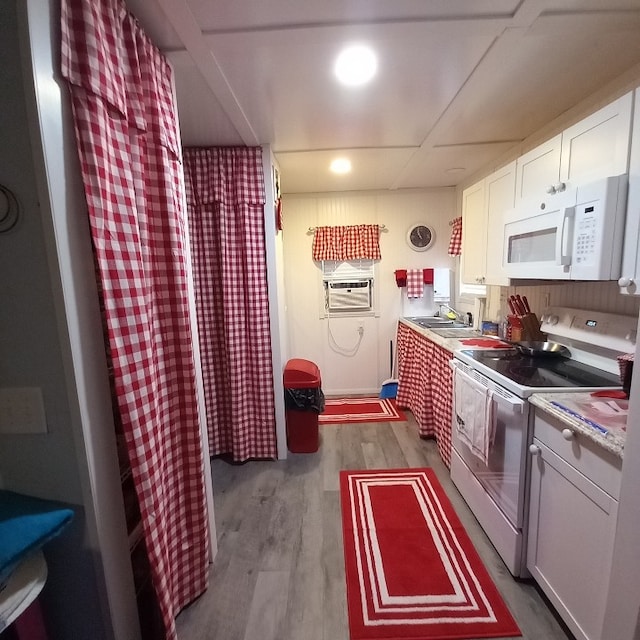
[(412, 572), (339, 410)]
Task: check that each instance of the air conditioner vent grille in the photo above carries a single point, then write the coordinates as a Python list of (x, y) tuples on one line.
[(349, 296)]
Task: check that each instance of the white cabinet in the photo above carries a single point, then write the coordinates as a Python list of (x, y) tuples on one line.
[(572, 518), (474, 234), (631, 248), (538, 171), (483, 210), (499, 190), (596, 147)]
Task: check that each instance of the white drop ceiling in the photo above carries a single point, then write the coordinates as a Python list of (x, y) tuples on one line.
[(459, 82)]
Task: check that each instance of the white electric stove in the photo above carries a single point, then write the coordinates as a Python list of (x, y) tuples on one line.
[(495, 489)]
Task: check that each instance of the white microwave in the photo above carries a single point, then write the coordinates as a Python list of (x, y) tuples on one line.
[(573, 235)]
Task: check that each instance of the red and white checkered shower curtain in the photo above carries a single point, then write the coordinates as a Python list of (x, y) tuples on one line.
[(225, 202), (126, 128)]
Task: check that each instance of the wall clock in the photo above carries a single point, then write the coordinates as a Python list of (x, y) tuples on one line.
[(420, 236)]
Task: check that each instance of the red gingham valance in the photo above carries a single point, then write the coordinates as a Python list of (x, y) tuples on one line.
[(225, 173), (99, 53), (361, 241), (455, 244)]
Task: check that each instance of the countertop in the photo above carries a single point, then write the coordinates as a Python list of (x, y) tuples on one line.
[(605, 429), (450, 344), (605, 424)]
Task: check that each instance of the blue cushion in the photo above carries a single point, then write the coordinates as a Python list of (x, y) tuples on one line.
[(26, 523)]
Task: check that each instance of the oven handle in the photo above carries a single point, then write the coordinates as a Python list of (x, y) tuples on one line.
[(517, 404)]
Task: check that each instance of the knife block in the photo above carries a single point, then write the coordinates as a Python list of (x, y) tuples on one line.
[(514, 329), (531, 328)]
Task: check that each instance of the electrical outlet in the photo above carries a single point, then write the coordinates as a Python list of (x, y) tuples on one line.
[(22, 410)]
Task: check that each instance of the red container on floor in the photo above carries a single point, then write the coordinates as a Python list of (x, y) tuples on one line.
[(302, 426)]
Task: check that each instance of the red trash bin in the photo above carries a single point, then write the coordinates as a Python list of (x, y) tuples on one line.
[(302, 424)]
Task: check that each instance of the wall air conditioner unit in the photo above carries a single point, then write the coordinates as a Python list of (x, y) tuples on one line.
[(353, 295)]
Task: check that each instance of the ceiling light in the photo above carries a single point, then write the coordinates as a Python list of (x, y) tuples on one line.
[(340, 165), (455, 170), (356, 65)]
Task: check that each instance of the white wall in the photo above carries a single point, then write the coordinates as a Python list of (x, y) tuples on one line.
[(276, 286), (30, 351), (345, 369), (596, 296), (622, 617)]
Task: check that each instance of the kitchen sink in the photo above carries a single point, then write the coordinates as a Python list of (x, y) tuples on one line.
[(430, 322), (450, 332)]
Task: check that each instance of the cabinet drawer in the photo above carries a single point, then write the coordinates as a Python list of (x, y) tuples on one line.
[(600, 466)]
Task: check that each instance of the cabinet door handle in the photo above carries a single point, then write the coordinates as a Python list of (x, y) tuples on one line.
[(534, 450), (567, 434)]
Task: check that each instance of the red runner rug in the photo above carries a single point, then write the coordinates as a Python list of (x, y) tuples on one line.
[(339, 410), (412, 571)]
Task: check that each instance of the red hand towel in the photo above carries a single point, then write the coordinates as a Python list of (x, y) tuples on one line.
[(428, 276), (401, 277)]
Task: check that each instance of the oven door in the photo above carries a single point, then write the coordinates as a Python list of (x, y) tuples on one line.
[(503, 474)]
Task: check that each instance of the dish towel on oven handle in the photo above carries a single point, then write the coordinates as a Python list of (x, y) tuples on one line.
[(474, 420), (415, 283)]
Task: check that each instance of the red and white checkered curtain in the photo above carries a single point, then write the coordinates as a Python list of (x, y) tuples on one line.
[(355, 242), (225, 202), (429, 397), (455, 242), (126, 129)]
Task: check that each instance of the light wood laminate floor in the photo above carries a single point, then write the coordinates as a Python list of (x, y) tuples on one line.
[(279, 572)]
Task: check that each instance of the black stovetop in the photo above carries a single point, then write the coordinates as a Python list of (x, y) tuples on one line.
[(543, 371)]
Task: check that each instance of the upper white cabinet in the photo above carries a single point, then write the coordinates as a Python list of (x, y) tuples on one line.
[(596, 147), (538, 171), (499, 192), (631, 249), (483, 208), (474, 234)]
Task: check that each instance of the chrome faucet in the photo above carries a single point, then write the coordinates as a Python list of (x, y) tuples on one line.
[(459, 316)]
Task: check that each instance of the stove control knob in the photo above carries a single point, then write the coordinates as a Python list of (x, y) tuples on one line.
[(625, 282), (534, 450), (567, 434), (553, 319)]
